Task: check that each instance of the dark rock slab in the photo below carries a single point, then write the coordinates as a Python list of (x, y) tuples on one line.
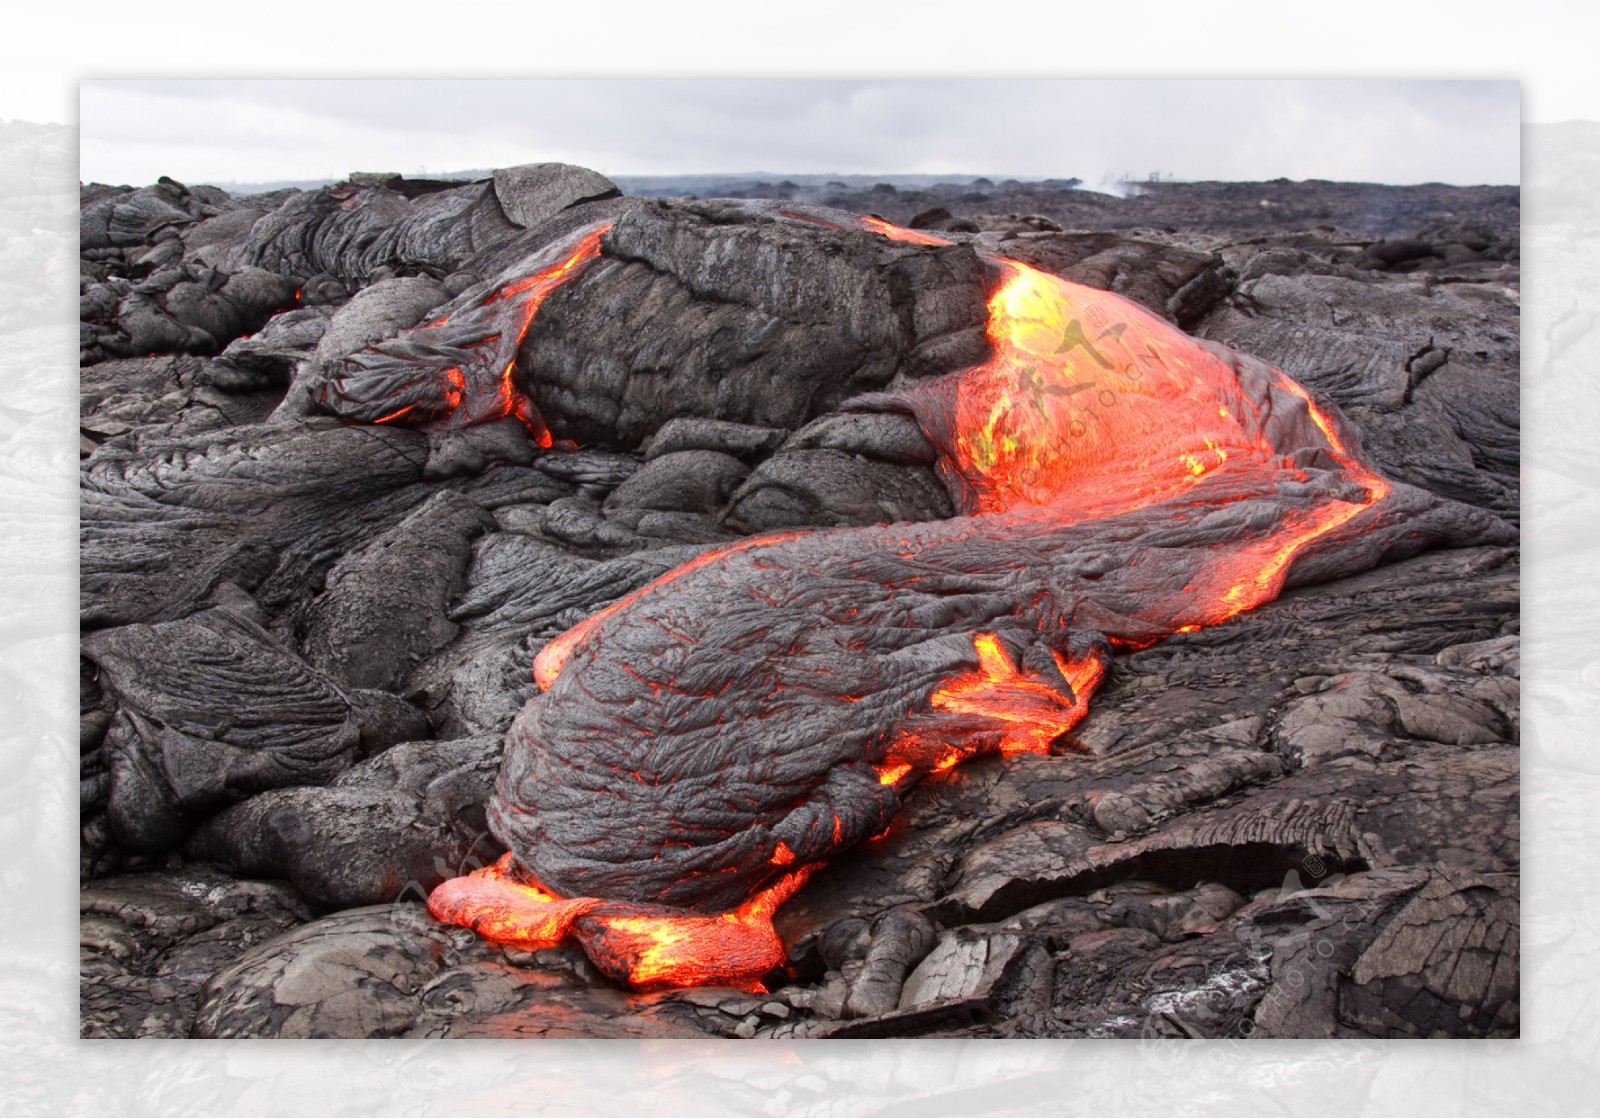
[(733, 311), (390, 828), (884, 436), (535, 192), (267, 360), (1398, 954), (117, 396), (1449, 959), (682, 481), (185, 308), (689, 433), (960, 967), (579, 523), (392, 971), (360, 974), (898, 940), (383, 609), (363, 233), (829, 488), (379, 311), (385, 720), (209, 710), (683, 528), (521, 591), (166, 520), (1428, 372), (149, 941), (135, 217), (467, 453), (1179, 284), (506, 484), (595, 472), (923, 1022)]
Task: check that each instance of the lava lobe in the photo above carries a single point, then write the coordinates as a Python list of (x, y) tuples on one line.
[(704, 744)]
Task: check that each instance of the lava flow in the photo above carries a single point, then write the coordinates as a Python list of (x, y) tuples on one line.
[(702, 745), (458, 369)]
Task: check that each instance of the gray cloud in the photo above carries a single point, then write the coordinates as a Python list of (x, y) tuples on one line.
[(1385, 131)]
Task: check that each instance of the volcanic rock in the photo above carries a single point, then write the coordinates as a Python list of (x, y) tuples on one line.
[(390, 828), (267, 361), (209, 710), (268, 507), (535, 193), (1432, 402), (391, 971), (749, 344), (899, 938), (1181, 286), (378, 312), (150, 941), (831, 487), (681, 481), (1300, 821), (885, 436), (693, 434), (383, 608), (960, 968), (520, 591)]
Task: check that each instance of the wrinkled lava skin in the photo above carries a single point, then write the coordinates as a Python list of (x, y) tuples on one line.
[(704, 743), (458, 370)]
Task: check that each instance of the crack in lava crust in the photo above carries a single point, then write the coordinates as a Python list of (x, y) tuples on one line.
[(459, 369), (703, 744)]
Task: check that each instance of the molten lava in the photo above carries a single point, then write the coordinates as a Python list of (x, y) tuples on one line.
[(646, 950), (1091, 407), (458, 369), (702, 745), (900, 233)]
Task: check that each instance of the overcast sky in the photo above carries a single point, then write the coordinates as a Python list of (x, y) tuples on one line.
[(246, 131)]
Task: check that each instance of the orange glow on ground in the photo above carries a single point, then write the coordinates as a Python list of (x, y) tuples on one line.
[(650, 952), (1032, 711), (1091, 406), (631, 944), (889, 774), (494, 904), (1005, 709), (900, 232)]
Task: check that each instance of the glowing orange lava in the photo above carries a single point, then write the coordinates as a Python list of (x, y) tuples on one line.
[(900, 233), (654, 951), (475, 403), (1092, 406), (647, 950), (1033, 711), (499, 906), (1006, 711)]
